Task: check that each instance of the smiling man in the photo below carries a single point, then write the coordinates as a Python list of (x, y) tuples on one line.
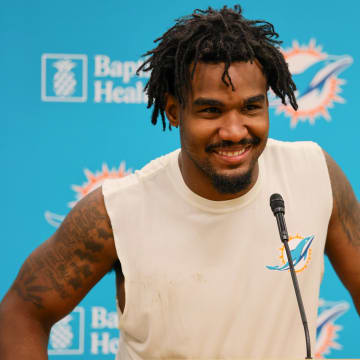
[(223, 129), (191, 236)]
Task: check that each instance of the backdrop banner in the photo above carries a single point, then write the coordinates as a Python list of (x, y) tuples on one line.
[(74, 113)]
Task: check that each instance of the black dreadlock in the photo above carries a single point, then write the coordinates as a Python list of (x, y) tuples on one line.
[(213, 36)]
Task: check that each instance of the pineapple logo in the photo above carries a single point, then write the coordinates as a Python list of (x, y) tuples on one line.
[(64, 80), (64, 77), (61, 334), (67, 335)]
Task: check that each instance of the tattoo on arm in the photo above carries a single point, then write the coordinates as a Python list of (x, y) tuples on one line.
[(27, 289), (345, 202), (68, 259)]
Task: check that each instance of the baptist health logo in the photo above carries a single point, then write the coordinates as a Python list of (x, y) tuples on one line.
[(68, 77), (64, 77), (67, 335)]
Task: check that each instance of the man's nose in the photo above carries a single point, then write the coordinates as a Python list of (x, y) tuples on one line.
[(233, 127)]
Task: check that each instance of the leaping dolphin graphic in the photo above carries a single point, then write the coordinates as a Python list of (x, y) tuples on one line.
[(331, 66), (297, 254), (315, 77), (325, 336), (54, 219), (330, 315)]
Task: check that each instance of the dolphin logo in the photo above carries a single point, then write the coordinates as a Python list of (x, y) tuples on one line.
[(298, 254), (316, 76), (326, 330), (320, 74), (94, 180)]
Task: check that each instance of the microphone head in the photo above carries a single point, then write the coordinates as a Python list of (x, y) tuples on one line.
[(277, 204)]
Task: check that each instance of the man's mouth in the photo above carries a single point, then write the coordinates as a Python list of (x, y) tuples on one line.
[(229, 148), (231, 153)]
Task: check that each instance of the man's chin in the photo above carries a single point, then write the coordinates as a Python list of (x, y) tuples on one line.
[(231, 184)]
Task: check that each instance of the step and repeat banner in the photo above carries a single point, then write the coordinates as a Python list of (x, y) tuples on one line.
[(73, 113)]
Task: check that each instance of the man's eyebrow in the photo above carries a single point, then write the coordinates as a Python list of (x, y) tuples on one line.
[(255, 99), (207, 102), (213, 102)]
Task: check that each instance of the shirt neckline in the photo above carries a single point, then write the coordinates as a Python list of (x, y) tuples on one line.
[(206, 204)]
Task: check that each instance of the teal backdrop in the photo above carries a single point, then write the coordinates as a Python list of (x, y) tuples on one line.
[(73, 113)]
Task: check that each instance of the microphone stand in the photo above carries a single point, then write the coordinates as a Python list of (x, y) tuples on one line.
[(278, 208), (299, 300)]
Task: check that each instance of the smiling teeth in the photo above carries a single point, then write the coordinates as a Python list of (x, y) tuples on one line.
[(232, 153)]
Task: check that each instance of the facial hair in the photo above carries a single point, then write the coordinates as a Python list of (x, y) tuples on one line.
[(226, 184), (229, 184)]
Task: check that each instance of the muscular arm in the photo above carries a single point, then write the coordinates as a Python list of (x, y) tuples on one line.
[(343, 241), (54, 279)]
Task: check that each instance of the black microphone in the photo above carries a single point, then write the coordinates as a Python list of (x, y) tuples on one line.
[(278, 208)]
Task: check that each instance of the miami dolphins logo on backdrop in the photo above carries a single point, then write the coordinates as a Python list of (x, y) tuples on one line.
[(316, 76), (93, 181), (326, 330), (300, 249)]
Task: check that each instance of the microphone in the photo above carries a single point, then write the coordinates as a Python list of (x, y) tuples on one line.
[(278, 208)]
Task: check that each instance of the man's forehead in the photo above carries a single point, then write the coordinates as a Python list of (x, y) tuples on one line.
[(243, 76), (202, 66)]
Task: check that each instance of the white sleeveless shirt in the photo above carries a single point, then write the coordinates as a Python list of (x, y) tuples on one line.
[(209, 279)]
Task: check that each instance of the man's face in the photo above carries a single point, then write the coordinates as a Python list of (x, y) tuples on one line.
[(222, 132)]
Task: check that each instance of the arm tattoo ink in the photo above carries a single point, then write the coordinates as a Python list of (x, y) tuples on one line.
[(348, 208), (62, 264)]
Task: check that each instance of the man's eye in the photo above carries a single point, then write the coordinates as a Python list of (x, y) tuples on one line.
[(252, 107), (211, 110)]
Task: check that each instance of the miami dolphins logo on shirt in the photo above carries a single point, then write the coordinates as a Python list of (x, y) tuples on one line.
[(300, 249)]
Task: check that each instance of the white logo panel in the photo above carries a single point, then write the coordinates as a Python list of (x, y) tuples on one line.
[(64, 77), (67, 335)]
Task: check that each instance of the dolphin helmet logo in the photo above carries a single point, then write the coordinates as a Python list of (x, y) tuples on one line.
[(300, 253), (316, 76)]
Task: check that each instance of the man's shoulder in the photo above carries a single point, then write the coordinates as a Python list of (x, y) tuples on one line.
[(158, 164), (291, 145), (308, 153), (153, 168), (293, 148)]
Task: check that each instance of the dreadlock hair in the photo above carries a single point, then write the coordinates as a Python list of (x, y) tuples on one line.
[(213, 36)]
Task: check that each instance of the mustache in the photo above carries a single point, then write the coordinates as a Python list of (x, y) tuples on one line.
[(227, 144)]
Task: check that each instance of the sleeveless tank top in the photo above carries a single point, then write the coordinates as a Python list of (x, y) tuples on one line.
[(210, 279)]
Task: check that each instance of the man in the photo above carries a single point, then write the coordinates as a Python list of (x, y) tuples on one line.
[(191, 235)]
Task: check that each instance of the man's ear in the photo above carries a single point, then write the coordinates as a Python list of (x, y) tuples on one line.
[(172, 110)]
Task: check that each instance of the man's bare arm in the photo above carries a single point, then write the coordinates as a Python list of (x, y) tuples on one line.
[(54, 279), (343, 241)]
